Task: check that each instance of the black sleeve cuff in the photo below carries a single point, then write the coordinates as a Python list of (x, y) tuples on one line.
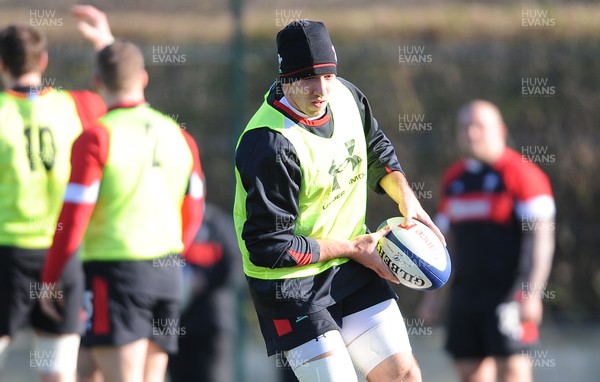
[(376, 174), (315, 248)]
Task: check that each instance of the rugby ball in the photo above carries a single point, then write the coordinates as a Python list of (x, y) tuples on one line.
[(414, 254)]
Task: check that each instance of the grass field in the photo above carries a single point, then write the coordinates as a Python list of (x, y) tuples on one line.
[(566, 353)]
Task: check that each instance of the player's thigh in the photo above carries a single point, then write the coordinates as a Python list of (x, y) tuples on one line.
[(123, 362), (55, 356), (397, 367), (323, 359), (515, 368), (87, 368), (476, 369), (156, 363), (375, 334)]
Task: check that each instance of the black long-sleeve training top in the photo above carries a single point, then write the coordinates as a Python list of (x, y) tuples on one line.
[(271, 175)]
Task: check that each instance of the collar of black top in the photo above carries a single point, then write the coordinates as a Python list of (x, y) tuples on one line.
[(304, 49)]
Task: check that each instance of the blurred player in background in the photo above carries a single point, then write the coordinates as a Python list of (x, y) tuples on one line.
[(500, 211), (38, 125), (133, 208), (303, 166), (206, 351)]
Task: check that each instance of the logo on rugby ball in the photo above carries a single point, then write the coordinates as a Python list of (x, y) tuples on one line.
[(415, 255)]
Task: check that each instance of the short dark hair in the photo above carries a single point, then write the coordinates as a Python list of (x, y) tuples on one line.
[(118, 64), (21, 48)]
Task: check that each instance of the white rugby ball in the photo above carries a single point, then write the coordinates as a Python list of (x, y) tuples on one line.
[(415, 255)]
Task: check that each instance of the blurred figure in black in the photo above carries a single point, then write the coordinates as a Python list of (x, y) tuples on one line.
[(499, 209), (211, 275)]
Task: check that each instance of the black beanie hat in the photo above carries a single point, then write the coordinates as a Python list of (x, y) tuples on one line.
[(304, 49)]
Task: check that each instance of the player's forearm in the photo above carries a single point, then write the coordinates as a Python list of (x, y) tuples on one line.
[(191, 219), (329, 249), (355, 249), (333, 249), (361, 249), (192, 208), (88, 156), (396, 186), (71, 226), (538, 244)]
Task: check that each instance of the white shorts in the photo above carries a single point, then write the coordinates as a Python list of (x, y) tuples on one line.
[(367, 337)]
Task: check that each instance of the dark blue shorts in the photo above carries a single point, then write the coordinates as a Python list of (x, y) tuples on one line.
[(496, 330), (21, 290), (285, 333), (130, 300)]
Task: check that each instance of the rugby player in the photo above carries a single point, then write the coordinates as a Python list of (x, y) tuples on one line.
[(132, 206), (303, 166), (499, 208), (38, 125)]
